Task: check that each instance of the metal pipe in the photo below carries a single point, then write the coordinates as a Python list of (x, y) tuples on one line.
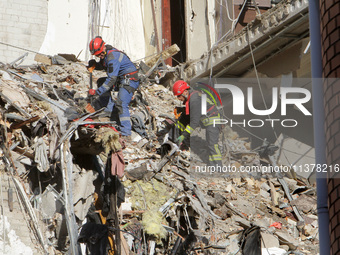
[(319, 132)]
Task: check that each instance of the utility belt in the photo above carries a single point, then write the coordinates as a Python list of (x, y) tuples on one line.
[(133, 76), (211, 116), (124, 81)]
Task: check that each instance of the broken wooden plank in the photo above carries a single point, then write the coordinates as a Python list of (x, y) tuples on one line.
[(24, 151), (44, 59), (169, 52), (22, 123)]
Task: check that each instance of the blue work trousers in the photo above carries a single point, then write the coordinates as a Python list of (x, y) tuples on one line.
[(120, 107)]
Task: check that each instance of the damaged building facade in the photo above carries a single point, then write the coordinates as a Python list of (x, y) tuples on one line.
[(69, 184)]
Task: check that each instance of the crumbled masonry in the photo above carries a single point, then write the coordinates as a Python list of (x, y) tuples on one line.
[(56, 154)]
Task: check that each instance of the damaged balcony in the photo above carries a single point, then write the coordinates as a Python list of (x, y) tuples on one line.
[(275, 33)]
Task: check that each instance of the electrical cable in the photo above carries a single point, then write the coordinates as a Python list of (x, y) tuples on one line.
[(260, 87), (230, 31), (227, 9)]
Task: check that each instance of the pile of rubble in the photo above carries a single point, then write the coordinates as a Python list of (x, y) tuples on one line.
[(81, 187)]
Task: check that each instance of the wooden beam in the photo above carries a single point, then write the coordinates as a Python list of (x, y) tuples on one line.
[(166, 27)]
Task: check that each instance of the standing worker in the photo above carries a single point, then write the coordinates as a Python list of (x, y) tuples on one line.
[(122, 76), (193, 107)]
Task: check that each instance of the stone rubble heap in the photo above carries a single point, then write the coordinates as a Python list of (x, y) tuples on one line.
[(55, 151)]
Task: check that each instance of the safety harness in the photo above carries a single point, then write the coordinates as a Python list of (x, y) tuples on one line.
[(128, 76), (209, 111)]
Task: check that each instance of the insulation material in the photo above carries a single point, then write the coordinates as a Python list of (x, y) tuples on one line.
[(155, 194), (152, 223), (109, 139)]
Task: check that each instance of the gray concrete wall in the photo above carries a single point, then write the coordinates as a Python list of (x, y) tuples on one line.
[(24, 25)]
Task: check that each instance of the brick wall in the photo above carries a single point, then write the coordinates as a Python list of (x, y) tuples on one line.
[(24, 25), (330, 40)]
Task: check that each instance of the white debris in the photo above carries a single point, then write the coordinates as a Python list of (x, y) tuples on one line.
[(9, 242)]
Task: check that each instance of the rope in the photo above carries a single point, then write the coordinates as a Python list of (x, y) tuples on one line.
[(260, 87)]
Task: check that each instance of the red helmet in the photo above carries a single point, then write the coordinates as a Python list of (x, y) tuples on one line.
[(179, 87), (97, 45)]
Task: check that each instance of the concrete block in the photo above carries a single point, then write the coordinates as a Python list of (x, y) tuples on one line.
[(37, 3), (269, 241), (11, 11)]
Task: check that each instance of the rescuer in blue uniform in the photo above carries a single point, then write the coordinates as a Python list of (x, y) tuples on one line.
[(122, 76)]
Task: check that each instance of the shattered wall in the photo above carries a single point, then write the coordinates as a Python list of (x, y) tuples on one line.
[(52, 27), (199, 27), (48, 27), (23, 26), (66, 28)]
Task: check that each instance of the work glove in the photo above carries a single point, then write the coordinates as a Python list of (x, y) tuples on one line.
[(92, 63), (92, 92), (180, 139)]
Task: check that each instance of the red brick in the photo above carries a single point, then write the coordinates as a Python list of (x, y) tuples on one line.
[(335, 176), (333, 196), (332, 235), (335, 246), (337, 231), (327, 69), (330, 52), (324, 57), (332, 75), (336, 183), (333, 102), (330, 185), (324, 33), (335, 62), (328, 4), (322, 7), (331, 26), (328, 91), (330, 119), (325, 43), (334, 11), (336, 159), (334, 36), (325, 18), (336, 112), (333, 222), (331, 144), (336, 87), (329, 158)]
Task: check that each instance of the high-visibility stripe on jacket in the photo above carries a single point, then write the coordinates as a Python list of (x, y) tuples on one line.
[(194, 108)]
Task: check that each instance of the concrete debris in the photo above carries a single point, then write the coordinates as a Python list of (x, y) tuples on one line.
[(11, 243), (61, 155)]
